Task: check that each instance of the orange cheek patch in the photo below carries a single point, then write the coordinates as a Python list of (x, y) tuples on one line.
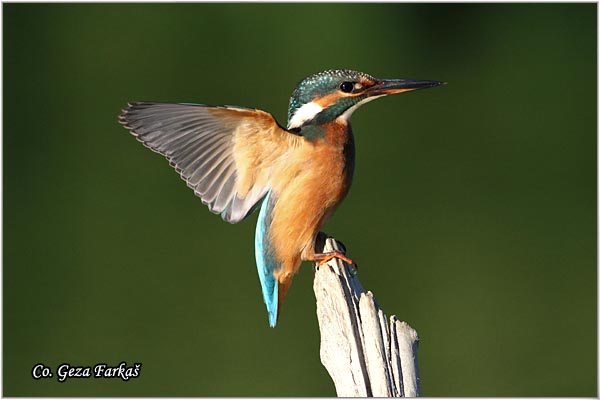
[(327, 101), (331, 99)]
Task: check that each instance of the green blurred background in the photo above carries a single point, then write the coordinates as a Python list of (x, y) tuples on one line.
[(472, 215)]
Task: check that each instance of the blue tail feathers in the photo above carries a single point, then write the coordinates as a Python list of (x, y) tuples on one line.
[(265, 262)]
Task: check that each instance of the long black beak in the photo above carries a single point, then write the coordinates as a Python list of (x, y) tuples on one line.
[(392, 86)]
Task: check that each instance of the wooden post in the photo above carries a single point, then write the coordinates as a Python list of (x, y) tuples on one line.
[(364, 353)]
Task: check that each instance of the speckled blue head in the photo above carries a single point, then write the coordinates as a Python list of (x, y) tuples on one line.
[(327, 83), (331, 94)]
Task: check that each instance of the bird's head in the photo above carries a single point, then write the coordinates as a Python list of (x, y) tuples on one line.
[(333, 94)]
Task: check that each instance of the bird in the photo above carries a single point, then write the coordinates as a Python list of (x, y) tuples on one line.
[(239, 159)]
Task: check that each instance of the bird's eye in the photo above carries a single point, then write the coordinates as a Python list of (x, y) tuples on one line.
[(346, 87)]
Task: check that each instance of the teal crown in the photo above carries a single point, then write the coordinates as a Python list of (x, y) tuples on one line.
[(322, 84)]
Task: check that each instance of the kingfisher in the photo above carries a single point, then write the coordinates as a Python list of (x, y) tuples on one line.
[(237, 159)]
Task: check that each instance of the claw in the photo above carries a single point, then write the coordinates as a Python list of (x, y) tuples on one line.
[(322, 258)]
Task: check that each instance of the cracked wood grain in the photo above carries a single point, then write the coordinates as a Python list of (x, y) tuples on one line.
[(365, 354)]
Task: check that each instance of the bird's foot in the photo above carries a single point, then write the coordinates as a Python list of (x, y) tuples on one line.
[(322, 258), (319, 258)]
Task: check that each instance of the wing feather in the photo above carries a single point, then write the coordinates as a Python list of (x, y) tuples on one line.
[(225, 154)]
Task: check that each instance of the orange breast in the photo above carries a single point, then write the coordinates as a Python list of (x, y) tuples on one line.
[(309, 184)]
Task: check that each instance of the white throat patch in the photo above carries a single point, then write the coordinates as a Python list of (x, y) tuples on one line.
[(305, 113), (348, 113)]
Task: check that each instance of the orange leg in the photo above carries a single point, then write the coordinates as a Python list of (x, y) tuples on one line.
[(322, 258)]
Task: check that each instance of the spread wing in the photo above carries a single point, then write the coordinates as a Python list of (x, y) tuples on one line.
[(225, 154)]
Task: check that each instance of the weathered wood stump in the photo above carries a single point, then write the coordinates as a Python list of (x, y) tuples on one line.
[(364, 353)]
